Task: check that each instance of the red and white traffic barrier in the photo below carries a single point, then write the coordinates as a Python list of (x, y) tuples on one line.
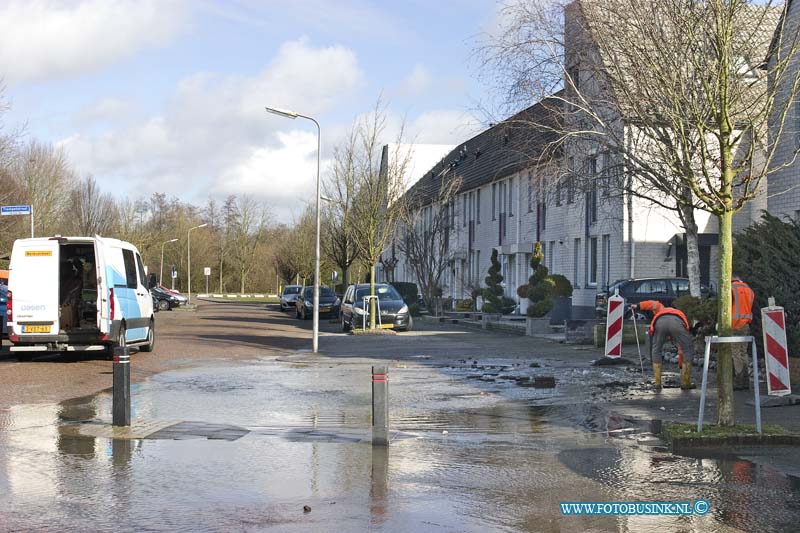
[(616, 310), (776, 353)]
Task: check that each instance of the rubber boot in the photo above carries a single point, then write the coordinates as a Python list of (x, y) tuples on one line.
[(686, 376), (657, 375)]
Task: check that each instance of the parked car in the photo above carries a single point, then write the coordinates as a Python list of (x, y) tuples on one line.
[(78, 294), (3, 302), (182, 298), (166, 300), (289, 296), (393, 310), (665, 290), (329, 304)]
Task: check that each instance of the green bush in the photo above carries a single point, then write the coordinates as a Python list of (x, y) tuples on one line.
[(408, 291), (700, 312), (561, 286), (540, 285), (767, 257), (493, 299), (465, 305)]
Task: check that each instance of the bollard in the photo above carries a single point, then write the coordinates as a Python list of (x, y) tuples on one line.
[(380, 406), (121, 403)]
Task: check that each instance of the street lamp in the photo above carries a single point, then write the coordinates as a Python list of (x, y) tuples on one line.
[(292, 115), (189, 258), (161, 270)]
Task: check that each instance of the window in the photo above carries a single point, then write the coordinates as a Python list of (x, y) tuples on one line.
[(576, 262), (464, 211), (550, 255), (653, 287), (478, 205), (530, 194), (606, 260), (130, 269), (558, 193), (542, 214), (140, 268), (591, 257), (511, 197), (574, 78), (680, 287), (606, 172), (494, 201), (591, 195)]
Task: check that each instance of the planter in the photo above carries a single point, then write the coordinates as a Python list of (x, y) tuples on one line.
[(537, 326), (562, 310), (486, 318)]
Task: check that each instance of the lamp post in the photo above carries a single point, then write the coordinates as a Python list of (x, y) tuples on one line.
[(189, 259), (292, 115), (161, 269)]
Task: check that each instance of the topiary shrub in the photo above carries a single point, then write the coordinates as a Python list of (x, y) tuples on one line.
[(408, 291), (767, 256), (493, 299), (561, 286), (540, 285), (465, 305)]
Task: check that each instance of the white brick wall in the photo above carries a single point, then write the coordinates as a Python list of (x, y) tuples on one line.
[(783, 187)]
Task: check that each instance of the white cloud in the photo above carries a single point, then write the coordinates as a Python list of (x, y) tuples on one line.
[(443, 126), (50, 39), (214, 136), (417, 82), (106, 109)]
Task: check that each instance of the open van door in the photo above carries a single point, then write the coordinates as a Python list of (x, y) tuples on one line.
[(103, 294), (34, 284)]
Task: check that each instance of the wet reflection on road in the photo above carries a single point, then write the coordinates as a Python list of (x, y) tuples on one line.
[(467, 455)]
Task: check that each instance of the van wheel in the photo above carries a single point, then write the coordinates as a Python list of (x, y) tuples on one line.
[(151, 338)]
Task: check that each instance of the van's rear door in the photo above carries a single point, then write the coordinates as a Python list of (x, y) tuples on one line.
[(34, 282), (103, 294)]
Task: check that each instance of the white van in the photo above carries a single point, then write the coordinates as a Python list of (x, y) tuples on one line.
[(78, 294)]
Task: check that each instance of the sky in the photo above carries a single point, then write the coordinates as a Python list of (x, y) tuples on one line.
[(168, 95)]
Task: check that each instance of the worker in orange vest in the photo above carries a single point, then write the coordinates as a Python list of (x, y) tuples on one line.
[(669, 322), (742, 298)]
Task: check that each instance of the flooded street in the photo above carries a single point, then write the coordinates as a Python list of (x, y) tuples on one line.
[(243, 445)]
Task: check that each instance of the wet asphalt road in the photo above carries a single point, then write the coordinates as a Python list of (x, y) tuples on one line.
[(260, 427)]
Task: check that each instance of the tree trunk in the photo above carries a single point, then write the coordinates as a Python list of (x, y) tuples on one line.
[(372, 315), (345, 276), (692, 250), (241, 282), (725, 412), (221, 260)]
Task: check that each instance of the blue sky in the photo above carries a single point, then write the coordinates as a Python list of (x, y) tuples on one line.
[(168, 95)]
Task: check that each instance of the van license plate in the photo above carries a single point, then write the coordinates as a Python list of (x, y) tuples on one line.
[(35, 329)]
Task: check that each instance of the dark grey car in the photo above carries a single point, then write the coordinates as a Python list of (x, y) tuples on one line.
[(393, 310), (328, 303)]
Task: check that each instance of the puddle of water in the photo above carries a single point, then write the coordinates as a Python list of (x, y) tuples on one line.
[(504, 463)]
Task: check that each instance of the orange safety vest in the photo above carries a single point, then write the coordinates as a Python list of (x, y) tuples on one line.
[(660, 310), (741, 304)]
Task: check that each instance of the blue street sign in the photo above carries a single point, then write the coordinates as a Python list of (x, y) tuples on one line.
[(15, 210)]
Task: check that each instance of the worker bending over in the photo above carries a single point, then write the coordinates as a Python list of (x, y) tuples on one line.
[(669, 323)]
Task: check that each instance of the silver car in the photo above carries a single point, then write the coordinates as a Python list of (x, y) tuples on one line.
[(289, 296)]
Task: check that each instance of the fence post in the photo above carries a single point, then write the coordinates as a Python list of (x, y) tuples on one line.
[(380, 406), (121, 402)]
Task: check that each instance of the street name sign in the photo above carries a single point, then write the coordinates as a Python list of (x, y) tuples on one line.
[(15, 210)]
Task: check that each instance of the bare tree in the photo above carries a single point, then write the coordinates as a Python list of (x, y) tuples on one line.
[(377, 208), (247, 232), (339, 222), (93, 212), (676, 91), (424, 235)]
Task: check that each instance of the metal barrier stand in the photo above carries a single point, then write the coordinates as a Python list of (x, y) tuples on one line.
[(366, 311), (757, 396)]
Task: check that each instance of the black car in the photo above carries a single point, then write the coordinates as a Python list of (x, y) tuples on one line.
[(665, 290), (328, 303), (394, 312), (166, 300)]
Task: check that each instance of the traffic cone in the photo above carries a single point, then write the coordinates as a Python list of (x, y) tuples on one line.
[(686, 376), (657, 375)]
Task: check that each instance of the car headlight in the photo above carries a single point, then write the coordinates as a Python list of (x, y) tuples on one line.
[(308, 304), (403, 310)]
